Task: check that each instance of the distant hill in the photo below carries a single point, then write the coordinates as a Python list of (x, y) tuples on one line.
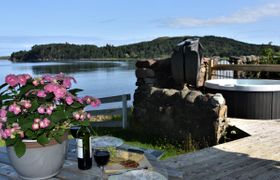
[(4, 57), (158, 48)]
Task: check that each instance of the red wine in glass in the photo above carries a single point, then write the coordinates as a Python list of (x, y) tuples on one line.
[(101, 157)]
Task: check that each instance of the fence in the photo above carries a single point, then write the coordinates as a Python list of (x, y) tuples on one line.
[(123, 111), (227, 70)]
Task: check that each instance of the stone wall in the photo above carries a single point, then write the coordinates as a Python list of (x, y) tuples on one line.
[(169, 110)]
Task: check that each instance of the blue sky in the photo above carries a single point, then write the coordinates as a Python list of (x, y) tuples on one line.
[(25, 23)]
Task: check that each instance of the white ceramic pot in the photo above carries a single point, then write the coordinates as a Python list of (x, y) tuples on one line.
[(39, 162)]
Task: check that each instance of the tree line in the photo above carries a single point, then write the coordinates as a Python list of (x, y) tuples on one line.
[(158, 48)]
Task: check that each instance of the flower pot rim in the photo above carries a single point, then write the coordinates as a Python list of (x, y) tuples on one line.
[(30, 143)]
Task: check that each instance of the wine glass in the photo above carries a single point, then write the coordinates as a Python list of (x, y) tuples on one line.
[(101, 157)]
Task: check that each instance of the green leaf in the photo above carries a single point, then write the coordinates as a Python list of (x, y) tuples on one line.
[(57, 116), (30, 134), (84, 123), (10, 142), (6, 97), (76, 105), (24, 89), (20, 148), (34, 105), (12, 119), (26, 125), (75, 91), (43, 140), (58, 138)]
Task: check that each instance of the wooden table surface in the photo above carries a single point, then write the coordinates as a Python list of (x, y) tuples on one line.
[(70, 168)]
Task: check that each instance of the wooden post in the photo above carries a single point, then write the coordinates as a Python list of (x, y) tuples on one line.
[(124, 111), (210, 66)]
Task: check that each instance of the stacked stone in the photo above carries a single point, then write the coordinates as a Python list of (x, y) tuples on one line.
[(165, 109), (155, 73), (181, 114), (145, 73), (245, 59)]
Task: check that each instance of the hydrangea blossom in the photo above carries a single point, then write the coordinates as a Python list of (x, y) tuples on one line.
[(40, 108)]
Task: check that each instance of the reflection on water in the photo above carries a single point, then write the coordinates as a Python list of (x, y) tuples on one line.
[(75, 67), (97, 78)]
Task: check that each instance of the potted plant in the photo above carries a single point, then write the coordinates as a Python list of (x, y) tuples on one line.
[(35, 116)]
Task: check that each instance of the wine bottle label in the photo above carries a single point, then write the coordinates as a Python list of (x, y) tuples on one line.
[(80, 148)]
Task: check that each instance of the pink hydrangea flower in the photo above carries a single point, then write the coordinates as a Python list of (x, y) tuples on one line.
[(76, 115), (69, 100), (80, 100), (3, 113), (46, 121), (95, 103), (12, 80), (87, 99), (88, 115), (27, 76), (21, 134), (35, 126), (60, 92), (8, 132), (14, 108), (42, 124), (50, 87), (35, 83), (22, 79), (82, 117), (16, 125), (37, 120), (47, 78), (41, 94), (41, 110), (26, 103), (67, 83), (49, 111)]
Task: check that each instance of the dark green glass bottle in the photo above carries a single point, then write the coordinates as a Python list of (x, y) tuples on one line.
[(84, 151)]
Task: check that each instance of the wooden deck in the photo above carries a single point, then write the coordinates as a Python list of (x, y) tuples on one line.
[(253, 157)]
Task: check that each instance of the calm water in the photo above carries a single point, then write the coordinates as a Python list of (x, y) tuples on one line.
[(97, 78)]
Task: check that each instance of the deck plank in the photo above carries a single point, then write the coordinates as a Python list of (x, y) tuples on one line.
[(253, 157)]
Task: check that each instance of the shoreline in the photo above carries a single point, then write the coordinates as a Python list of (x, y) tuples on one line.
[(86, 59)]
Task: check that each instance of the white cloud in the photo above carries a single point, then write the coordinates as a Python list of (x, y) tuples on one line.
[(243, 16)]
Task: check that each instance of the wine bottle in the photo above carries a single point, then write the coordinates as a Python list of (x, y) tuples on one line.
[(84, 151)]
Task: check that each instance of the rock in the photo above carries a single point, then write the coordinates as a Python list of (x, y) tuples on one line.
[(140, 82), (149, 80), (170, 92), (192, 95), (144, 73), (218, 100), (145, 64)]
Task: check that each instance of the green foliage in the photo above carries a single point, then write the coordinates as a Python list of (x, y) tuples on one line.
[(43, 139), (27, 115), (157, 48), (20, 148)]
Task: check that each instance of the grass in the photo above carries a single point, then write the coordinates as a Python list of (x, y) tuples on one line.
[(140, 140), (2, 143)]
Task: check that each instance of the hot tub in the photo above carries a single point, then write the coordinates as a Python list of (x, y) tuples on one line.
[(248, 98)]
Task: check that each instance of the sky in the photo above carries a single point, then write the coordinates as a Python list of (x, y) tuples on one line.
[(24, 23)]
